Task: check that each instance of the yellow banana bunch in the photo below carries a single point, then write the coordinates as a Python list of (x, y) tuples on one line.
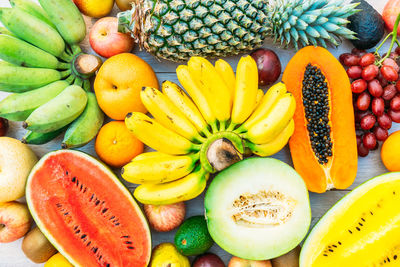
[(210, 127)]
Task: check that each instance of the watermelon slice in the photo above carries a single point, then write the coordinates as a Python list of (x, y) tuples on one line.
[(86, 212)]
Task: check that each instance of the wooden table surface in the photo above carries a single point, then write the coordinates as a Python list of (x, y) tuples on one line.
[(11, 254)]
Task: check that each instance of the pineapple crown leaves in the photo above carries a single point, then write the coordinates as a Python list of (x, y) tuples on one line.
[(310, 22)]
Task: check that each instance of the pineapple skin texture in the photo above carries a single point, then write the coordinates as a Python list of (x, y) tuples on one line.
[(177, 30)]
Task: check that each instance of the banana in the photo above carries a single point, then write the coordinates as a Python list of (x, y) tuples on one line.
[(150, 155), (20, 79), (86, 126), (268, 127), (58, 112), (167, 114), (177, 96), (33, 138), (24, 54), (67, 18), (260, 94), (226, 72), (168, 168), (4, 30), (18, 107), (267, 102), (157, 136), (33, 9), (214, 87), (198, 96), (245, 90), (31, 29), (273, 147), (183, 189)]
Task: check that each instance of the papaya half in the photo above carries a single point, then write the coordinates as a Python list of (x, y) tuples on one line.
[(323, 146)]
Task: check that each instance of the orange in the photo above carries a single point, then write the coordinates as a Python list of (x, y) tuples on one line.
[(390, 153), (116, 145), (119, 82)]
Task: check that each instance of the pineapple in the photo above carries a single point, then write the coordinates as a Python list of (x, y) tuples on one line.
[(178, 29)]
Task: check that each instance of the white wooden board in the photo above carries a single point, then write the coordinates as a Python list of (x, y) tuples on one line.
[(11, 254)]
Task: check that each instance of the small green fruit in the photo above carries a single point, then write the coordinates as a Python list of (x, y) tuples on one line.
[(193, 238)]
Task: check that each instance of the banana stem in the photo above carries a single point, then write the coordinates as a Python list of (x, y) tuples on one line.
[(200, 139), (76, 49), (78, 81), (222, 126), (231, 127), (63, 66), (65, 73), (65, 57), (214, 127), (206, 132), (70, 79), (86, 85)]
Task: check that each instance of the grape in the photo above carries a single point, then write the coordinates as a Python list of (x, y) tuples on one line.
[(380, 133), (359, 140), (354, 72), (367, 59), (397, 50), (378, 106), (370, 72), (375, 88), (382, 80), (392, 55), (398, 86), (358, 52), (363, 101), (389, 73), (367, 122), (358, 115), (358, 86), (385, 121), (369, 141), (394, 115), (395, 103), (389, 92), (269, 65), (390, 62), (349, 60), (362, 151)]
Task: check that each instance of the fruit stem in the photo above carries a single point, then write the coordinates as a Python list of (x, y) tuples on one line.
[(214, 127), (86, 85), (65, 57), (63, 65), (394, 39), (78, 81), (222, 126), (76, 49), (70, 79), (65, 73), (380, 45), (231, 127)]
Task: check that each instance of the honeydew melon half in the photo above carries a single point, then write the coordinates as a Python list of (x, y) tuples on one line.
[(362, 229), (258, 209)]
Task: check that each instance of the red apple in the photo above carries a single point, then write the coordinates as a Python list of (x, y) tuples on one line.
[(238, 262), (107, 41), (15, 221), (165, 218)]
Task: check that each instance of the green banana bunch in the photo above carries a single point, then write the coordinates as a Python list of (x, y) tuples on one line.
[(58, 112), (45, 69), (228, 116)]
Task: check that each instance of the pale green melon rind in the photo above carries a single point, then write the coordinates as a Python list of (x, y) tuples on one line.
[(322, 226), (238, 177), (110, 174)]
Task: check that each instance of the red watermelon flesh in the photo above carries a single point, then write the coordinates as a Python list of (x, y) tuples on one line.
[(86, 213)]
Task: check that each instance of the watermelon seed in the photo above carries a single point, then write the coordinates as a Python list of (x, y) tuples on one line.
[(330, 250), (94, 249), (91, 198), (66, 213), (77, 231), (388, 259), (100, 257), (66, 172), (107, 265), (73, 179), (394, 193), (371, 213), (84, 190), (358, 228), (104, 210), (77, 182), (350, 231), (334, 246), (88, 244), (325, 255), (112, 217), (58, 205), (83, 236), (363, 219), (395, 257), (128, 242), (76, 227), (360, 224), (131, 247), (97, 202), (125, 236), (81, 187), (117, 224), (339, 243)]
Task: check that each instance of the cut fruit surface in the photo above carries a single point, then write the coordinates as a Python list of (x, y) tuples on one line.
[(362, 229), (86, 213), (258, 209)]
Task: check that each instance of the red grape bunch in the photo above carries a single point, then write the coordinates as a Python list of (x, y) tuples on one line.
[(376, 95)]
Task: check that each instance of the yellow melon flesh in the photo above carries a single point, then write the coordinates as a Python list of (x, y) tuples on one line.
[(363, 229)]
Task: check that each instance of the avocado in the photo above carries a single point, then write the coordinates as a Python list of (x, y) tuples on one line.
[(368, 24), (192, 237)]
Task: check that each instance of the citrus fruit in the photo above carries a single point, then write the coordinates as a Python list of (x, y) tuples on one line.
[(118, 84), (116, 145), (390, 152), (57, 260)]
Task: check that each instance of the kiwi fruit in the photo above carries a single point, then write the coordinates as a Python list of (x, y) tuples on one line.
[(36, 246)]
